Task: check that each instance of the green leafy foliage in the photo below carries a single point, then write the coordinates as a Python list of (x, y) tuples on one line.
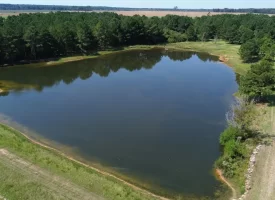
[(237, 141), (259, 82), (249, 51), (229, 134), (47, 35)]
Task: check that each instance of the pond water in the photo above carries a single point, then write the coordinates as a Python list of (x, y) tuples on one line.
[(152, 115)]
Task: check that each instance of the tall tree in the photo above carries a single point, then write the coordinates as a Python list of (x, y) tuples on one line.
[(32, 39), (84, 38), (249, 51)]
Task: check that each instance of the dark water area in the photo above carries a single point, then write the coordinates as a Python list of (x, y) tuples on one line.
[(151, 115)]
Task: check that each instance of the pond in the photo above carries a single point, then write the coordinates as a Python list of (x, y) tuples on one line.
[(151, 116)]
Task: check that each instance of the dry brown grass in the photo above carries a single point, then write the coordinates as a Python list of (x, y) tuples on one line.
[(131, 13), (164, 13)]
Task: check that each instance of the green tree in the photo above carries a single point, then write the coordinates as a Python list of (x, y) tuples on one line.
[(84, 38), (1, 48), (249, 51), (246, 34), (50, 47), (101, 33), (259, 82), (191, 34), (267, 49), (31, 37)]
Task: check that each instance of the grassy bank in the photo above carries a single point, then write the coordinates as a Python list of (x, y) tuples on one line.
[(227, 52), (57, 61), (88, 178)]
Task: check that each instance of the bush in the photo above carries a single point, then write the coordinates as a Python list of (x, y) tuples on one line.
[(231, 133), (228, 165)]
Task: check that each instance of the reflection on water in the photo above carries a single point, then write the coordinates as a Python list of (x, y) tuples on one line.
[(31, 77), (152, 115)]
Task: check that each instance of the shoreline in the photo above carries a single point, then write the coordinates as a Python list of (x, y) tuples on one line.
[(227, 53), (68, 59), (221, 178), (102, 172), (218, 49)]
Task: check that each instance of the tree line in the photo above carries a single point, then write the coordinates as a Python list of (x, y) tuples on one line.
[(46, 35)]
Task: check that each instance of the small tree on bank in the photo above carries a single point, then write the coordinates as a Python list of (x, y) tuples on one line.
[(259, 82)]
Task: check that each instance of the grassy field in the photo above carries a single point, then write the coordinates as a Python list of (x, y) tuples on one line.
[(227, 52), (5, 13), (27, 181), (28, 170)]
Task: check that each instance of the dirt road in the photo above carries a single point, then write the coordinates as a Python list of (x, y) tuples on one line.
[(263, 181), (19, 175)]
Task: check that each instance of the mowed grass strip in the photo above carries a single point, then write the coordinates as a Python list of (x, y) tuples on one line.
[(39, 183), (15, 183)]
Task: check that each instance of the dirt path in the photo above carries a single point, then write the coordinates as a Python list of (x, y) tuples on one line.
[(223, 179), (58, 187), (263, 181)]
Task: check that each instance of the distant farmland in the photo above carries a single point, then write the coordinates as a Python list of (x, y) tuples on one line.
[(164, 13), (5, 13)]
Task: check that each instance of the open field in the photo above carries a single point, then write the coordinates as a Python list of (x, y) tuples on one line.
[(27, 166), (164, 13), (228, 53), (5, 13)]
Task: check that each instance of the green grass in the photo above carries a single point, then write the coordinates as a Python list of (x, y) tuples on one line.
[(54, 162), (219, 48), (83, 57)]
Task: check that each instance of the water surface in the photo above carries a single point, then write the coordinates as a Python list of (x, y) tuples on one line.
[(150, 115)]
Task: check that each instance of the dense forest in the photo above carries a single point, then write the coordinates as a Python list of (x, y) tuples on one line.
[(92, 8), (41, 36)]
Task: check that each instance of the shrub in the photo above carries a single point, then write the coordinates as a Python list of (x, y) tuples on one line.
[(231, 133)]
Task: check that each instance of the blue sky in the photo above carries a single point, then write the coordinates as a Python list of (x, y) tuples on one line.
[(156, 3)]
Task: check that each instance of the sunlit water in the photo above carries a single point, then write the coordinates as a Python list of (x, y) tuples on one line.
[(153, 116)]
